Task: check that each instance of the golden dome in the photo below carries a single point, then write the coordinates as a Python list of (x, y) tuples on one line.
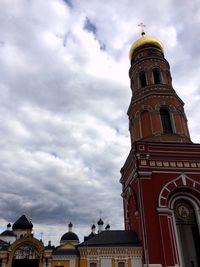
[(143, 41)]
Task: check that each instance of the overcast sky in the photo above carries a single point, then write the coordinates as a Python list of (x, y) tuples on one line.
[(64, 93)]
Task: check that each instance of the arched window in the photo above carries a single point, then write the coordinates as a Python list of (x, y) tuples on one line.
[(156, 76), (166, 121), (26, 251), (188, 233), (93, 264), (121, 264), (143, 81)]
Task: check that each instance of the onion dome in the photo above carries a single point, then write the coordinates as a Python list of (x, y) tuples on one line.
[(100, 225), (145, 41), (49, 246), (93, 228), (69, 236), (22, 224), (107, 227), (8, 232), (100, 222)]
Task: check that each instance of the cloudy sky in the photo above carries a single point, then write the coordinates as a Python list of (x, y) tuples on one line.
[(64, 93)]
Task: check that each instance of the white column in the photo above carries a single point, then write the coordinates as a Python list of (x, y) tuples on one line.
[(106, 263), (136, 262), (72, 262)]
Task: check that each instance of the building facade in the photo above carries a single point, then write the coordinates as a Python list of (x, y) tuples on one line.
[(106, 248), (161, 176)]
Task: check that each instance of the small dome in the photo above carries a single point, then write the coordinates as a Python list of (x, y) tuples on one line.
[(107, 227), (145, 40), (69, 236), (22, 224), (8, 231), (100, 222)]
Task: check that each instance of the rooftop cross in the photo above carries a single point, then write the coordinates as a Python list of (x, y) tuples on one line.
[(142, 28)]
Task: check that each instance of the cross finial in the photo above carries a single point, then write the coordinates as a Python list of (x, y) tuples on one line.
[(142, 28)]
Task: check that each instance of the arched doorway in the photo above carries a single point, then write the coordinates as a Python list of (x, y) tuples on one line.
[(188, 233), (26, 255), (26, 251)]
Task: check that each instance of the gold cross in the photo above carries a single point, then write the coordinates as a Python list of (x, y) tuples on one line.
[(142, 28)]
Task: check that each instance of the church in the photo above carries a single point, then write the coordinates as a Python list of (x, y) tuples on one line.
[(160, 187)]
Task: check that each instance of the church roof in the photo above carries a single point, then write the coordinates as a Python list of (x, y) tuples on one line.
[(58, 251), (22, 224), (145, 40), (113, 238), (69, 236), (8, 233)]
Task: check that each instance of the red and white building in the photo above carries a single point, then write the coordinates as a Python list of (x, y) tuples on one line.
[(161, 176)]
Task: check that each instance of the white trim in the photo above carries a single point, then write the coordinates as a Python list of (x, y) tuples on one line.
[(174, 239), (184, 179), (165, 210)]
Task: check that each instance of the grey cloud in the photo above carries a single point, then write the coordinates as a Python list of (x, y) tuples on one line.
[(64, 130)]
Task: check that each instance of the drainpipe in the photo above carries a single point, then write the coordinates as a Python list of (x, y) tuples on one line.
[(144, 231)]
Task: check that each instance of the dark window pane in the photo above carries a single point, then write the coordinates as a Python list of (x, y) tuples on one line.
[(143, 81), (156, 76), (166, 121)]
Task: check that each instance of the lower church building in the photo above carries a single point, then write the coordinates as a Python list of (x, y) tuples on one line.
[(108, 248), (160, 187)]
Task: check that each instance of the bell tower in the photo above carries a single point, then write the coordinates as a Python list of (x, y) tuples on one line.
[(161, 176), (156, 112)]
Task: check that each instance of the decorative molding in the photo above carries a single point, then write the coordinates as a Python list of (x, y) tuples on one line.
[(182, 181)]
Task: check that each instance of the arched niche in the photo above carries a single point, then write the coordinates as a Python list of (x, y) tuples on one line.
[(26, 251)]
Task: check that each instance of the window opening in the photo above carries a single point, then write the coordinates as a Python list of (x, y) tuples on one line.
[(143, 81), (156, 76), (166, 121), (121, 264)]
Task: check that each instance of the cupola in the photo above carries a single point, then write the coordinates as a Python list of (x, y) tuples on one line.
[(145, 41), (100, 224), (22, 224), (69, 237), (22, 227)]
